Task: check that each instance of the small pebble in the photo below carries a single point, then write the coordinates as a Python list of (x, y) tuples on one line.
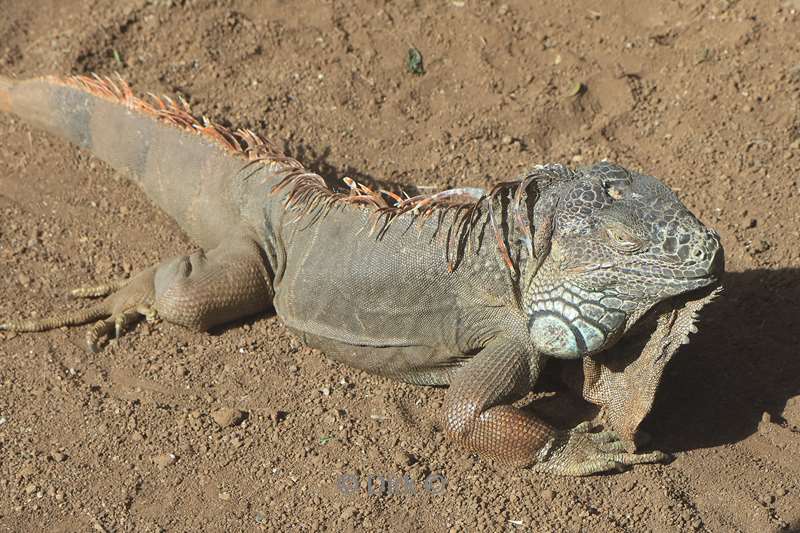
[(58, 457), (507, 139), (30, 488), (226, 417), (403, 458), (547, 495), (163, 460), (224, 496)]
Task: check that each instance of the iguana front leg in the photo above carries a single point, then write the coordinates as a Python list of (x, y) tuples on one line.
[(198, 291), (479, 414)]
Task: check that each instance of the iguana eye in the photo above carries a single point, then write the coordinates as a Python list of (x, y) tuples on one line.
[(622, 241), (612, 190)]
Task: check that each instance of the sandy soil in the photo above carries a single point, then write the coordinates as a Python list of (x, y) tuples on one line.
[(140, 437)]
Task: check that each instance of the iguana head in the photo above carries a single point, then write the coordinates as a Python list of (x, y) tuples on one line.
[(609, 245)]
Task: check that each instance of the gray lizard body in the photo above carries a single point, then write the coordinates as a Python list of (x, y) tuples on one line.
[(462, 288)]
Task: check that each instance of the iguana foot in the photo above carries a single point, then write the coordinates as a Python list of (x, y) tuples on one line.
[(125, 302), (199, 291), (581, 453)]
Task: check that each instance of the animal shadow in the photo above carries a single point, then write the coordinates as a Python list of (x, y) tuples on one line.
[(742, 362), (318, 161)]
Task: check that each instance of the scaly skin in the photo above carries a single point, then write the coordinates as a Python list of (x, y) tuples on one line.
[(458, 288)]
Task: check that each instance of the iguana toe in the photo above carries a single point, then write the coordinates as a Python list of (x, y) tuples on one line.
[(69, 318), (605, 437), (585, 426), (124, 303), (612, 446), (97, 291)]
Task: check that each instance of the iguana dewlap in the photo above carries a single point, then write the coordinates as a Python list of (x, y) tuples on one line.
[(460, 288)]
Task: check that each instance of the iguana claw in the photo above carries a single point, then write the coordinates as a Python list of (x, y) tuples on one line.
[(581, 453), (119, 322)]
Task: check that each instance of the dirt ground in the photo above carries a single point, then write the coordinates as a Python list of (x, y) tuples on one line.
[(148, 435)]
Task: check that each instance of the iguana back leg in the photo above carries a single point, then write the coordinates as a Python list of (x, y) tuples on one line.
[(199, 291)]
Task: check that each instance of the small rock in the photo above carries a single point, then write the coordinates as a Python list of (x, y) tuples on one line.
[(30, 488), (348, 513), (23, 279), (507, 139), (163, 460), (765, 426), (326, 391), (547, 495), (503, 9), (781, 492), (226, 417), (749, 223), (58, 457), (403, 458), (261, 518), (762, 247), (224, 496)]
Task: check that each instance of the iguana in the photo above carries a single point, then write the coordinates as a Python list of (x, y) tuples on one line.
[(465, 288)]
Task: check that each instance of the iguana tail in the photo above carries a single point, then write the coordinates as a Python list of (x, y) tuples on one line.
[(188, 167)]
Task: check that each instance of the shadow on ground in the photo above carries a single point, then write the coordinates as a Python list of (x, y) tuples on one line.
[(743, 362), (318, 161)]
